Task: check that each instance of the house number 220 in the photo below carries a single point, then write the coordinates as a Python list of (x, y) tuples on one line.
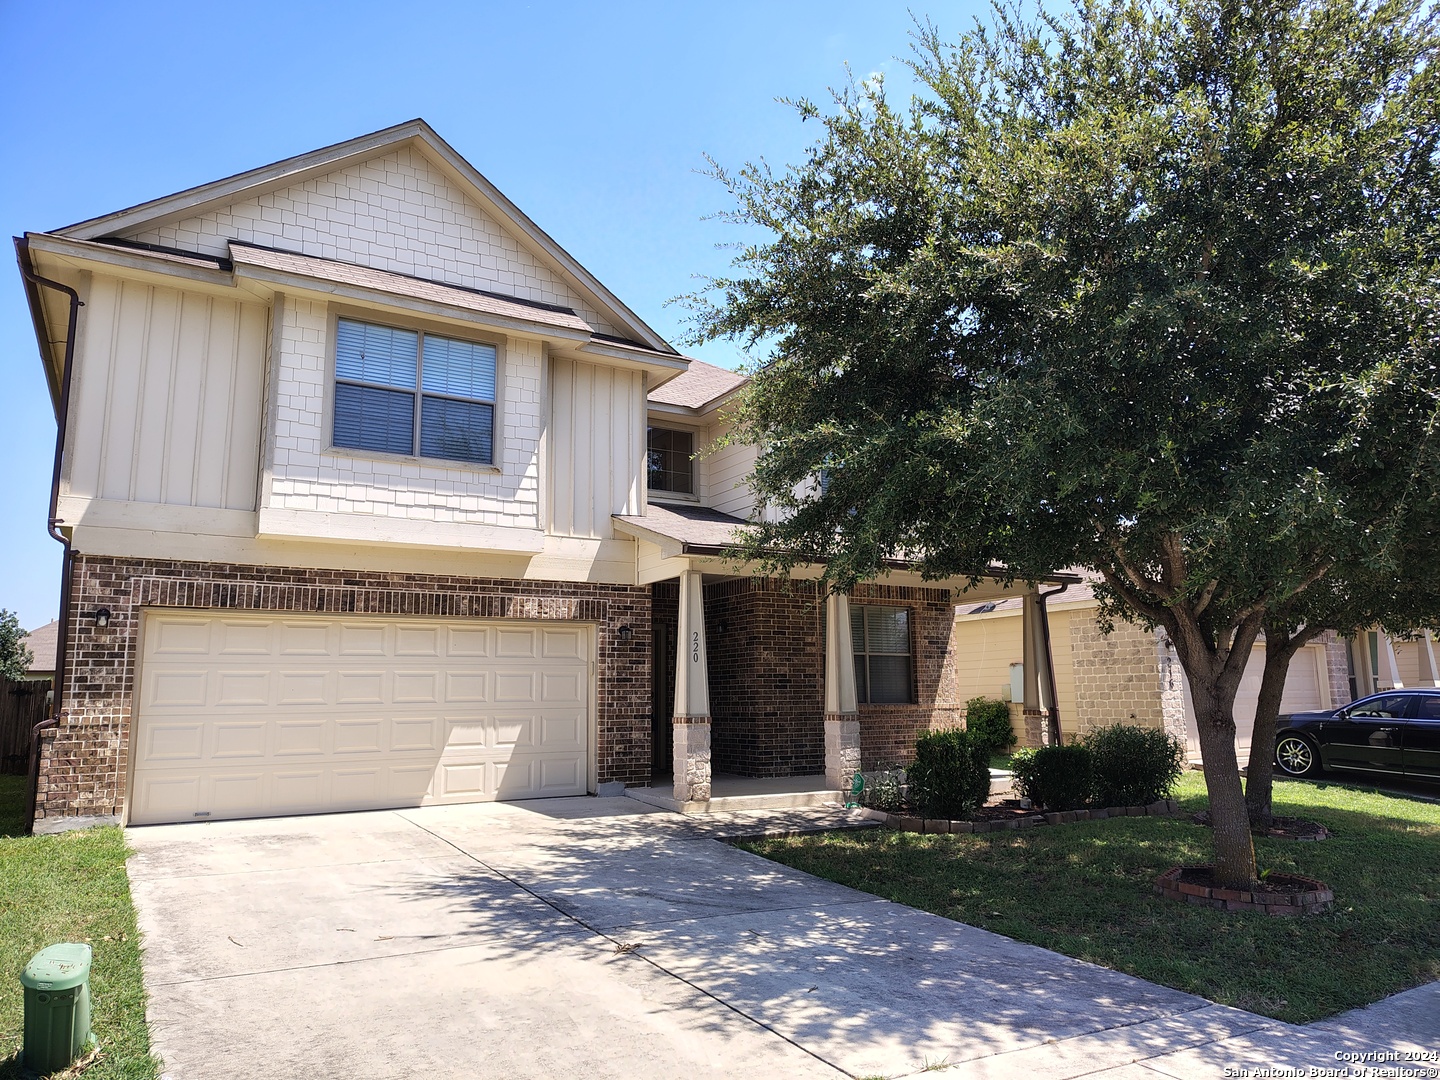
[(695, 647)]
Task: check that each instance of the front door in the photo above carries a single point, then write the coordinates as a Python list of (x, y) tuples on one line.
[(662, 703), (1368, 735)]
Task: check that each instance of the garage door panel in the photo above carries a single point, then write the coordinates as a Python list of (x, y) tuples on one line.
[(302, 687), (513, 686), (304, 638), (252, 715), (467, 687), (415, 733), (173, 635), (243, 688), (173, 742), (416, 688), (470, 642), (176, 688), (238, 739), (362, 640), (243, 638), (515, 644)]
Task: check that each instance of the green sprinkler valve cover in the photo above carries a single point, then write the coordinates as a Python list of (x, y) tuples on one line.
[(60, 967)]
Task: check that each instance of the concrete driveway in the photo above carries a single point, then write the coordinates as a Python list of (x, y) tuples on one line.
[(601, 938)]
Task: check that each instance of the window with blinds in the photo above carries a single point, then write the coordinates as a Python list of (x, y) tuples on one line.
[(408, 392), (884, 674)]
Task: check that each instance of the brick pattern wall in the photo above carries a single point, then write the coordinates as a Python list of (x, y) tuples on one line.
[(309, 476), (767, 669), (888, 732), (394, 212), (84, 761), (1117, 677)]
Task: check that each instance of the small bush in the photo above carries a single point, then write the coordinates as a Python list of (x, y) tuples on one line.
[(1133, 766), (988, 719), (884, 790), (951, 774), (1053, 777)]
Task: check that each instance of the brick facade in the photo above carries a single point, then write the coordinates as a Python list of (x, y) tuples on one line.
[(765, 640), (84, 761), (767, 668), (1117, 677)]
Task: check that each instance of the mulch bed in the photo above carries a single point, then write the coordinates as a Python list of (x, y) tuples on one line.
[(1280, 828)]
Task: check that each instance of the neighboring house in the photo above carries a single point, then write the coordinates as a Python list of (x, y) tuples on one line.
[(377, 497), (41, 643), (1133, 676)]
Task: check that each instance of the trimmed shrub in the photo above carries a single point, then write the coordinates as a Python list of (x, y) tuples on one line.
[(951, 774), (1132, 765), (988, 719), (1053, 777)]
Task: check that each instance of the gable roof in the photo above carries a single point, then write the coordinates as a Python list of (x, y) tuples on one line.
[(699, 387), (416, 134)]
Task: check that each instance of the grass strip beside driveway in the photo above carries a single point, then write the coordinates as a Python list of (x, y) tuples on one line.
[(71, 887), (1085, 890)]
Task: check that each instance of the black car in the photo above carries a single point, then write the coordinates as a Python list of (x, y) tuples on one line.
[(1395, 732)]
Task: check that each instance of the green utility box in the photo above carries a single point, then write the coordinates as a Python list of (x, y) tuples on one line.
[(57, 1007)]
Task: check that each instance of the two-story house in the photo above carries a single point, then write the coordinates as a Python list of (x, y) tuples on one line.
[(374, 496)]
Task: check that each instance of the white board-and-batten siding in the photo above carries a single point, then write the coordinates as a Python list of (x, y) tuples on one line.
[(596, 442), (167, 398)]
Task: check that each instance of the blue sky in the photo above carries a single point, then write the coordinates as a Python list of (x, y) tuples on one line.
[(594, 118)]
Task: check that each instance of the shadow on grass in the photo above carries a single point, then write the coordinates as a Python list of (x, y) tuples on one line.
[(12, 805)]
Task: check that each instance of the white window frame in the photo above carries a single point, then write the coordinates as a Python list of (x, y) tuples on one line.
[(422, 327)]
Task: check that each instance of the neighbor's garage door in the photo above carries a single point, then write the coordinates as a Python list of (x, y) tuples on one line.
[(247, 716), (1302, 689)]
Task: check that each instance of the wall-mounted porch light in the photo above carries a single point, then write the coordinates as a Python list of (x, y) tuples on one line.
[(626, 633), (102, 617)]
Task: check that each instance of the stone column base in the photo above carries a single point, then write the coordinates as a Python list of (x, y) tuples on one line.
[(692, 759), (1036, 731), (842, 750)]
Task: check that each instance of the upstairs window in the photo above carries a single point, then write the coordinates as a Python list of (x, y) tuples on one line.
[(669, 460), (409, 392), (884, 674)]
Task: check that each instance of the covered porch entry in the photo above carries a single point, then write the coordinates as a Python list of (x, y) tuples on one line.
[(774, 691)]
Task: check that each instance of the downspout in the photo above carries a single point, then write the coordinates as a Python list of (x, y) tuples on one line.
[(1052, 724), (62, 637)]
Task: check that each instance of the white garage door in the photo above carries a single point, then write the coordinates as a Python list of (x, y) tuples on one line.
[(1302, 689), (248, 716)]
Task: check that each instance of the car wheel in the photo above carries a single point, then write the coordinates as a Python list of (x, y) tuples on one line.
[(1297, 756)]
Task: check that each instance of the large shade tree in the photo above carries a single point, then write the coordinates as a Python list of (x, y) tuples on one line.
[(1148, 288)]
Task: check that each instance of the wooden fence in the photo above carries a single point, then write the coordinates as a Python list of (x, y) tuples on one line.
[(22, 706)]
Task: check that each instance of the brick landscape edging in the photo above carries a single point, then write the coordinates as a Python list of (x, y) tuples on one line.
[(1162, 808), (1310, 902)]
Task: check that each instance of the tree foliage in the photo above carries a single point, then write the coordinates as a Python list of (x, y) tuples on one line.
[(1148, 288), (15, 655)]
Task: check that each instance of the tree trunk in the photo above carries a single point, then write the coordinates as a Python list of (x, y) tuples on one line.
[(1229, 819), (1280, 649), (1213, 684)]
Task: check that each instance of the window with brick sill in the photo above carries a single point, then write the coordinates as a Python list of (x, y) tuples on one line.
[(400, 391), (884, 668)]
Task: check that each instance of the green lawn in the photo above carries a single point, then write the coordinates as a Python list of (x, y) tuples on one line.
[(71, 887), (1085, 890)]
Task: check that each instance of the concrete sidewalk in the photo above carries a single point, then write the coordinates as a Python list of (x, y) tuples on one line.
[(599, 937)]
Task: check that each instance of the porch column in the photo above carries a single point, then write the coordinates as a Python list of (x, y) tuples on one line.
[(692, 695), (1389, 665), (1039, 693), (842, 712), (1360, 662), (1429, 672)]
